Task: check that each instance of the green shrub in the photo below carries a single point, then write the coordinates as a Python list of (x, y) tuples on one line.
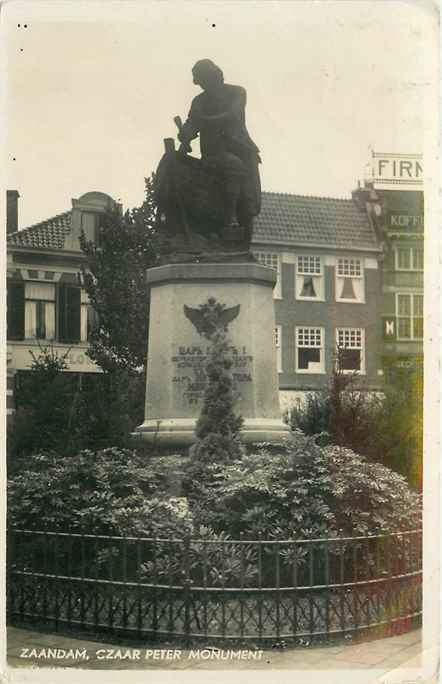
[(112, 491), (65, 412), (386, 428), (307, 491)]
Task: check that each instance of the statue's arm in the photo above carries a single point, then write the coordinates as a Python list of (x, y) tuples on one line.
[(237, 106), (191, 127)]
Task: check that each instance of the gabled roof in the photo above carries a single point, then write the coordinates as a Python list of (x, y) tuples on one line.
[(49, 234), (291, 220), (295, 220)]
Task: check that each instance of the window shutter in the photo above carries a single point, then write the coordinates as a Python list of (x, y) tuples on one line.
[(16, 311), (69, 313), (73, 306)]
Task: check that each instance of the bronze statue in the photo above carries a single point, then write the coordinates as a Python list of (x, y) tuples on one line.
[(218, 115), (216, 197)]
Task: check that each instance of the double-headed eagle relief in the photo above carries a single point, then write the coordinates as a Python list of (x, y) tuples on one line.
[(206, 206)]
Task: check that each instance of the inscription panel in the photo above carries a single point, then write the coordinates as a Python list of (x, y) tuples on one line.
[(190, 376)]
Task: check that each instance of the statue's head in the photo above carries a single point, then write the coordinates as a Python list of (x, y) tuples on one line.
[(206, 74)]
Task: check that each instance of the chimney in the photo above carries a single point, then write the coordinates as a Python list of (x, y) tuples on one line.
[(11, 211)]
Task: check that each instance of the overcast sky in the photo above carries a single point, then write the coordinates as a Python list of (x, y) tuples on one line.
[(92, 90)]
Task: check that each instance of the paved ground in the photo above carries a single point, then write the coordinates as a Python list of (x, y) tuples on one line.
[(383, 655)]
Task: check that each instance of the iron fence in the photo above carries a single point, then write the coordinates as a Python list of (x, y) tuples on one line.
[(247, 589)]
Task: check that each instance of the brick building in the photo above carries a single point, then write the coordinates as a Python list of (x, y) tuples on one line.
[(328, 294), (396, 200)]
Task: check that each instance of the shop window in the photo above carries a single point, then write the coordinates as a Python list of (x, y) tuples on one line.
[(350, 350), (309, 278), (273, 261), (309, 350), (349, 280), (409, 316), (16, 311), (39, 310)]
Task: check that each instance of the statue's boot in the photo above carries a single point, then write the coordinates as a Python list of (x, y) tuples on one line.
[(232, 229)]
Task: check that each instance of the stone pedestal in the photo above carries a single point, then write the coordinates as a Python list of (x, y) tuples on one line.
[(177, 353)]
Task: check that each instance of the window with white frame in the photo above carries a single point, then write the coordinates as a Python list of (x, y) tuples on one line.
[(278, 348), (309, 277), (310, 350), (409, 259), (409, 316), (349, 280), (273, 261), (350, 344), (39, 310)]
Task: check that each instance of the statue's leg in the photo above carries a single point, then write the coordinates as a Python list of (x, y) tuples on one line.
[(231, 171)]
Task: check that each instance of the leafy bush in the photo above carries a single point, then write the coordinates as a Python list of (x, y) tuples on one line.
[(65, 412), (386, 428), (213, 560), (112, 492), (305, 490)]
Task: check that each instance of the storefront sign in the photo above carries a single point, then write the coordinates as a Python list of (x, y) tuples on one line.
[(397, 170), (410, 223), (389, 328)]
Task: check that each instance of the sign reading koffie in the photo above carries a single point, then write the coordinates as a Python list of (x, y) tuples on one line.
[(190, 363)]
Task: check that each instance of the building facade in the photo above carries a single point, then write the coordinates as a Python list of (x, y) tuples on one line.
[(328, 297), (45, 301), (397, 205)]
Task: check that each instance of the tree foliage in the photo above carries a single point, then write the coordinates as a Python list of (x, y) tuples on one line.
[(386, 427), (115, 281), (63, 412)]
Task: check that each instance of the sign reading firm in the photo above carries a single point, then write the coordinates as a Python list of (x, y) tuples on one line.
[(397, 170)]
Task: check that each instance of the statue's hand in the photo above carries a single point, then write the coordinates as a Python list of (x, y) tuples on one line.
[(184, 148)]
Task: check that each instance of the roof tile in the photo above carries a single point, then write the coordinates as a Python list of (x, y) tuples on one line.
[(284, 219), (49, 234), (294, 219)]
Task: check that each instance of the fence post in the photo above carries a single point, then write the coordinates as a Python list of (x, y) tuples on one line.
[(278, 587), (260, 626), (241, 581), (10, 555), (138, 579), (155, 594), (187, 590), (56, 588), (295, 586)]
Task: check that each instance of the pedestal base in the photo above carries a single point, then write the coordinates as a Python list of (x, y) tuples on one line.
[(178, 353), (181, 431)]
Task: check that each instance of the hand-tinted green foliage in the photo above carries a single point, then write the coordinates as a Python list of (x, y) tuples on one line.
[(386, 428), (115, 280)]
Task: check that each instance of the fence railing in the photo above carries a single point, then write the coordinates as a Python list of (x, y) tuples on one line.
[(246, 589)]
